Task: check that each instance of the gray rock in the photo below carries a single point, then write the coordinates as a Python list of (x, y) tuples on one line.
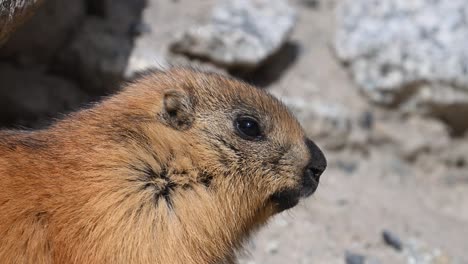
[(311, 3), (409, 53), (97, 57), (39, 39), (366, 120), (392, 240), (354, 258), (122, 15), (241, 34), (29, 97), (348, 166), (142, 59)]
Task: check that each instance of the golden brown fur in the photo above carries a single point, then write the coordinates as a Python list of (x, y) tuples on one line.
[(131, 181)]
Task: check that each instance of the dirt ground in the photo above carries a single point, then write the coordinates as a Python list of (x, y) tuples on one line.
[(363, 192)]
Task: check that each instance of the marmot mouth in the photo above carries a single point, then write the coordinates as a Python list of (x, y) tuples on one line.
[(289, 198), (285, 199)]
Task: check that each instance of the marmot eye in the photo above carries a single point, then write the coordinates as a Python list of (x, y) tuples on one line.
[(248, 128)]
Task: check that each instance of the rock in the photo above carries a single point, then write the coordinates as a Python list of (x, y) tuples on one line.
[(97, 57), (139, 28), (366, 120), (272, 247), (142, 60), (87, 43), (98, 52), (392, 240), (311, 3), (327, 123), (241, 35), (348, 166), (122, 15), (354, 258), (273, 68), (13, 13), (412, 137), (29, 97), (410, 54), (38, 40)]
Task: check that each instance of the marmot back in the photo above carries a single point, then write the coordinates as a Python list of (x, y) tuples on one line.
[(179, 167)]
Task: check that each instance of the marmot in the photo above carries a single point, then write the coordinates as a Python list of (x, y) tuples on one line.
[(178, 167)]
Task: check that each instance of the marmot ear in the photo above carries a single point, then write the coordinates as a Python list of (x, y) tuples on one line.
[(177, 110)]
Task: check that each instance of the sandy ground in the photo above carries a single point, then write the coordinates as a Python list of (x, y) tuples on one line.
[(362, 193)]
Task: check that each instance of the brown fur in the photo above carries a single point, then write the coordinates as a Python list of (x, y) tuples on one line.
[(128, 182)]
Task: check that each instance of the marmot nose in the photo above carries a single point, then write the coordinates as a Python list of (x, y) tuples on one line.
[(317, 163), (313, 173)]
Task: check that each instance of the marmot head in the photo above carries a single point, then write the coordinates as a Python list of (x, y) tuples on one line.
[(244, 141)]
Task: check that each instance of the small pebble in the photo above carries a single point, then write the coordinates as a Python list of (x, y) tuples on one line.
[(366, 120), (392, 240), (311, 3), (140, 28), (342, 202), (347, 166), (353, 258), (272, 247)]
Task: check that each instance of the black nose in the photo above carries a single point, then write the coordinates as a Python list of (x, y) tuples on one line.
[(317, 163), (313, 173), (313, 170)]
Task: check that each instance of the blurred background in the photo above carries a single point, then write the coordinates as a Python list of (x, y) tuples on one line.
[(380, 85)]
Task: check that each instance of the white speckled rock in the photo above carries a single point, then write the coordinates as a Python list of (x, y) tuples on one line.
[(241, 34), (408, 53)]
